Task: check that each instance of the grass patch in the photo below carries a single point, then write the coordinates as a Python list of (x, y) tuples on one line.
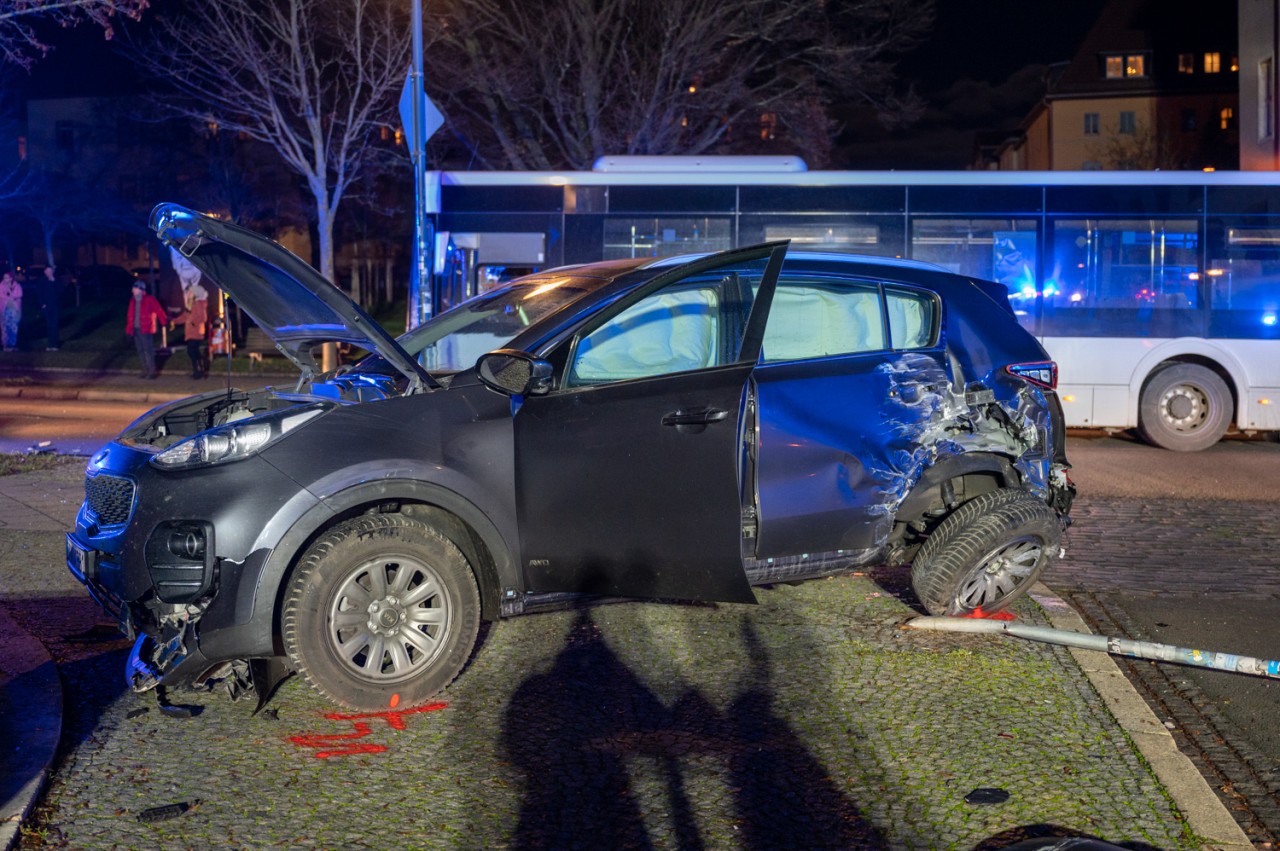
[(11, 462)]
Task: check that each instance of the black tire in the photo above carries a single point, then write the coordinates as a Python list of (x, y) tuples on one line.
[(986, 554), (382, 612), (1184, 407)]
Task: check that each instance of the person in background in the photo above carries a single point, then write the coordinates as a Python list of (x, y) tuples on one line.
[(50, 294), (10, 310), (146, 315), (195, 313), (195, 324)]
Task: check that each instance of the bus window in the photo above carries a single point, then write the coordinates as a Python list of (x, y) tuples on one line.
[(861, 238), (666, 235), (1001, 250), (1243, 275), (857, 234), (1123, 277)]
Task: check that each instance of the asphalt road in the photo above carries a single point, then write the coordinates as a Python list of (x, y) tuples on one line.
[(70, 426), (1120, 465)]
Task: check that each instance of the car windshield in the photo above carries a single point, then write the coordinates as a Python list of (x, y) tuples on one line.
[(454, 340)]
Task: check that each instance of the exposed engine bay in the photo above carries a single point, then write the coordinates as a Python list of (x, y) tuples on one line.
[(170, 424)]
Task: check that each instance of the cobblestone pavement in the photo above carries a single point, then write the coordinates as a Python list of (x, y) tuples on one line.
[(1128, 557), (812, 720)]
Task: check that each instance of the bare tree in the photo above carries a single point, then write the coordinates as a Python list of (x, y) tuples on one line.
[(561, 82), (20, 43), (315, 80), (1140, 149)]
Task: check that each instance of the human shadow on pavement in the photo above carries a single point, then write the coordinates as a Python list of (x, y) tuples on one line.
[(581, 729)]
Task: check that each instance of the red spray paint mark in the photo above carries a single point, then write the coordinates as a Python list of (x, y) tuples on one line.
[(329, 744), (991, 616)]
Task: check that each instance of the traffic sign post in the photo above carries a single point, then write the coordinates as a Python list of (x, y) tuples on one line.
[(420, 119)]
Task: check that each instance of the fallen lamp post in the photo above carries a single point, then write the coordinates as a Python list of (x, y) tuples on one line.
[(1115, 646)]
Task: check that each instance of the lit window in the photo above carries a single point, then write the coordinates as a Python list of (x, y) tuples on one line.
[(1129, 122), (1135, 65), (1212, 62), (1115, 67), (768, 125), (1186, 63), (1235, 64), (1091, 124), (1226, 118)]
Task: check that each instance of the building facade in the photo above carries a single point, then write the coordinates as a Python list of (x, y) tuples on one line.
[(1154, 85), (1259, 75)]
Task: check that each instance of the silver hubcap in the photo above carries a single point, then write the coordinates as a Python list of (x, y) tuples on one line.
[(389, 618), (999, 574), (1184, 407)]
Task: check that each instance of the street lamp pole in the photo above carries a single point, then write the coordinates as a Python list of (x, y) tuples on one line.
[(420, 295)]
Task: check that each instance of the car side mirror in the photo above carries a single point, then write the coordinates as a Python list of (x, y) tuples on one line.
[(514, 373)]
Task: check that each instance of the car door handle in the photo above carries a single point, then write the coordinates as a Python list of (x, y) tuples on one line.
[(687, 418)]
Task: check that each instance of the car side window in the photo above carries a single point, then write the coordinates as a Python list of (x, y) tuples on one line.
[(814, 319), (911, 318), (825, 317), (694, 323)]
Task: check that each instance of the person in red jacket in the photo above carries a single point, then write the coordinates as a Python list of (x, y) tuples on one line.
[(146, 315)]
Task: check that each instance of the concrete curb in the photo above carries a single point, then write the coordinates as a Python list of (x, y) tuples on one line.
[(1207, 817), (30, 724), (77, 393)]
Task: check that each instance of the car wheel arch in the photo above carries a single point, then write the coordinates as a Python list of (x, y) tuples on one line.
[(453, 515), (968, 475)]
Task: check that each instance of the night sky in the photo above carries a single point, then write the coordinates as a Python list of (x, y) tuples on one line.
[(980, 70)]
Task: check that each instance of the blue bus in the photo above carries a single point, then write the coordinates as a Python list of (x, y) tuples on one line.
[(1157, 293)]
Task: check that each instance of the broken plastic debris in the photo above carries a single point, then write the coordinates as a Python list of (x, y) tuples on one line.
[(165, 812), (178, 710), (986, 795), (43, 447)]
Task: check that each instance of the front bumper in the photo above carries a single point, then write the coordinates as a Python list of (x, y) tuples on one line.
[(180, 560), (82, 561)]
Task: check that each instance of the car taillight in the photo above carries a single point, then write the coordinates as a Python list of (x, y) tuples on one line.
[(1042, 373)]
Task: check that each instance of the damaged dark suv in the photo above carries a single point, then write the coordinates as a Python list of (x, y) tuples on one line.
[(680, 428)]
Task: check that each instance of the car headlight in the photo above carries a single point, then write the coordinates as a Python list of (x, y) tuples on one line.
[(234, 441)]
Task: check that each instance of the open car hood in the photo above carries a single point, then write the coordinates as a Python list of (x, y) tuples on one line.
[(285, 297)]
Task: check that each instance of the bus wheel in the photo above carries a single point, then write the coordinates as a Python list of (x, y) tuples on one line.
[(1184, 407)]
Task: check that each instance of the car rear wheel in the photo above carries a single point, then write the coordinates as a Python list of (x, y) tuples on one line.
[(1184, 407), (382, 613), (986, 554)]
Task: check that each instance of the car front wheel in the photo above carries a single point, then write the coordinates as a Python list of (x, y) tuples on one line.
[(381, 613), (986, 554)]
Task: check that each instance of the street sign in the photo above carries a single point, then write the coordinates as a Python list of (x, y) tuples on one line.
[(432, 120)]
